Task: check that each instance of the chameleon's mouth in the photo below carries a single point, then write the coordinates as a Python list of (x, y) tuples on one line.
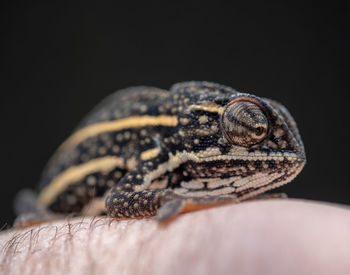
[(261, 157), (248, 182), (214, 154), (275, 181)]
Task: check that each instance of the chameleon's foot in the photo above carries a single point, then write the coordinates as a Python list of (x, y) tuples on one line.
[(173, 208), (165, 204), (126, 205), (29, 212), (35, 218), (170, 209)]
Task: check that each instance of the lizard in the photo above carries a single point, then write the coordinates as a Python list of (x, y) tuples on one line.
[(145, 151)]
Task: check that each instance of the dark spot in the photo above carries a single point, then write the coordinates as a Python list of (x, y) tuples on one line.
[(271, 163), (257, 163)]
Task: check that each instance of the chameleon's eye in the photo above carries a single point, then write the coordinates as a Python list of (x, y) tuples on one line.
[(244, 122)]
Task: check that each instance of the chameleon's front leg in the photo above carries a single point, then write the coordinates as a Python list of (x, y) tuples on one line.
[(164, 203), (130, 198), (124, 205)]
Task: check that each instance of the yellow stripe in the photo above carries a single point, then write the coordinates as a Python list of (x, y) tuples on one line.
[(76, 173), (109, 126), (150, 154), (208, 107)]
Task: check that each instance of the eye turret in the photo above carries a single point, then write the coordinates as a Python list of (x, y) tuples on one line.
[(244, 122)]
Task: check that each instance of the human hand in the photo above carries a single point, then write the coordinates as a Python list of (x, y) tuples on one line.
[(257, 237)]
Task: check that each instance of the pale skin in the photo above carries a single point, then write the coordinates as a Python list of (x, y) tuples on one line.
[(258, 237)]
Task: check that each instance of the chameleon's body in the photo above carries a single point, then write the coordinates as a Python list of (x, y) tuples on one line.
[(144, 150)]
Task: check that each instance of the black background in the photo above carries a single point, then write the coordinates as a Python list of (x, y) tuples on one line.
[(59, 60)]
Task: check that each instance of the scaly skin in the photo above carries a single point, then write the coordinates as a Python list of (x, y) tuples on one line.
[(146, 151)]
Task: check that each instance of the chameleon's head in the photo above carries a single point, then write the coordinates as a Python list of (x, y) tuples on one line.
[(264, 144), (243, 143)]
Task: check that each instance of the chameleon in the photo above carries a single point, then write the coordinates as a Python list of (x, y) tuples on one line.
[(145, 151)]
